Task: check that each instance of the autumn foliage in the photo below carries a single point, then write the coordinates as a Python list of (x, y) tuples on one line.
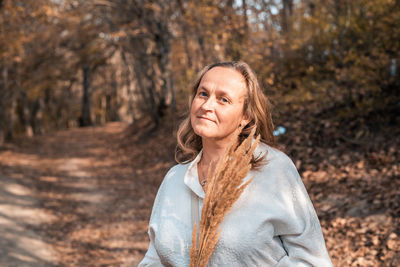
[(74, 63)]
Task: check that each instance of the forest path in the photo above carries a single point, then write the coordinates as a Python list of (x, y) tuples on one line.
[(70, 199)]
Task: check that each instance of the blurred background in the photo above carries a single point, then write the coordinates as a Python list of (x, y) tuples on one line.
[(75, 63), (86, 82)]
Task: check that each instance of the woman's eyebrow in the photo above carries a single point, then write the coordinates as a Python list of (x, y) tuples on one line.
[(202, 88), (224, 92)]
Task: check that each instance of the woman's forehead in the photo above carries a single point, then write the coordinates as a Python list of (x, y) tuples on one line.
[(224, 79)]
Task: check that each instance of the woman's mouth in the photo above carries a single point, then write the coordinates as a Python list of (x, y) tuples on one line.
[(205, 118)]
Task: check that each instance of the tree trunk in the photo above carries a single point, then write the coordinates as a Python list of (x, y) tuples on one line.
[(2, 104), (36, 117), (146, 91), (11, 118), (71, 120), (286, 15), (25, 106), (85, 119), (39, 117), (245, 19), (164, 46), (26, 115), (128, 78), (114, 103)]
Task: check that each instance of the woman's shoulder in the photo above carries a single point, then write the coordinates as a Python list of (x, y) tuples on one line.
[(279, 171), (172, 182), (176, 170), (274, 156), (175, 174)]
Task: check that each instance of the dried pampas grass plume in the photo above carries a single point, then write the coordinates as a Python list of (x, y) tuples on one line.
[(224, 188)]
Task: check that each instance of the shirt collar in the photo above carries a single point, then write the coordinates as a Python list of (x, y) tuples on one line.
[(191, 178)]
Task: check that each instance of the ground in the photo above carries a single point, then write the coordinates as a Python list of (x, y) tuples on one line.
[(83, 197)]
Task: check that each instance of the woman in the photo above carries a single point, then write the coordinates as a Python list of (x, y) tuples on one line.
[(273, 223)]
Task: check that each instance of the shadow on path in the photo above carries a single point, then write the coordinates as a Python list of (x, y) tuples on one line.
[(76, 198)]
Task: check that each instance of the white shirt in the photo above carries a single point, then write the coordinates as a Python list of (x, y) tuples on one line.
[(273, 223)]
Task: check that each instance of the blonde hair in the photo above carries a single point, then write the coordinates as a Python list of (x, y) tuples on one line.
[(256, 107)]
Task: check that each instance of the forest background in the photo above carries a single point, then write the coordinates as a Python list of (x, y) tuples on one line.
[(330, 68), (75, 63)]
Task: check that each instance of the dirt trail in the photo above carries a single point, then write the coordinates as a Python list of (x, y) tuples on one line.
[(70, 199)]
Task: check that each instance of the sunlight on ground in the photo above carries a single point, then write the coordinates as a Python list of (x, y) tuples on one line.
[(27, 215), (17, 189), (19, 213)]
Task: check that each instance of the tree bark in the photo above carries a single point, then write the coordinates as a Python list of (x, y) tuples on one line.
[(245, 19), (128, 76), (164, 47), (286, 15), (85, 119), (11, 118), (2, 104), (25, 119)]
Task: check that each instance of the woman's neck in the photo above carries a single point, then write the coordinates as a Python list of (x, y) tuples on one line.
[(213, 151)]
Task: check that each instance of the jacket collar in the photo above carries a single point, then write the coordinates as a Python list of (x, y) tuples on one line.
[(191, 178)]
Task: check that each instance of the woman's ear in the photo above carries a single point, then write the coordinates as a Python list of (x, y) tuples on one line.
[(245, 121)]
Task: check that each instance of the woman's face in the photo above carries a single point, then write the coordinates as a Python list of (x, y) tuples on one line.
[(217, 108)]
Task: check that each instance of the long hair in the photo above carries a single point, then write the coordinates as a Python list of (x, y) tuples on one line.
[(256, 107)]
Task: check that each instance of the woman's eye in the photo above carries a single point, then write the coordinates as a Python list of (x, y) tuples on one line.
[(202, 94), (224, 100)]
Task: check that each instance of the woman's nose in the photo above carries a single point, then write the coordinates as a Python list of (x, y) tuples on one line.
[(208, 104)]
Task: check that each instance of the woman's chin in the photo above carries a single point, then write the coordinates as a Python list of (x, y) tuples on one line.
[(205, 133)]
